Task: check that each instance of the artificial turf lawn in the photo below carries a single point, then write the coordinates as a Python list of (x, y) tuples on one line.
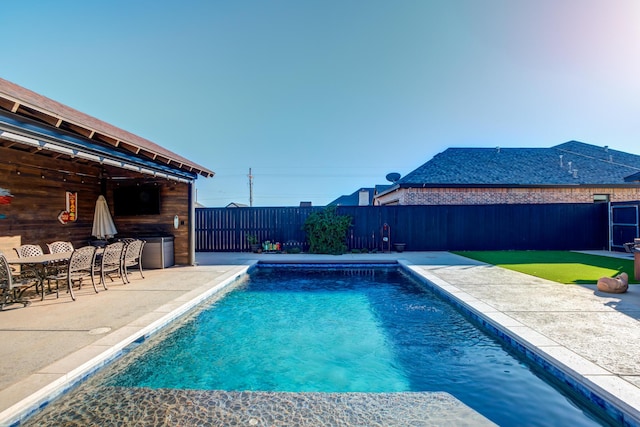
[(559, 266)]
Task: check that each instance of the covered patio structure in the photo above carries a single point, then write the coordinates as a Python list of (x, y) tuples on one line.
[(56, 161)]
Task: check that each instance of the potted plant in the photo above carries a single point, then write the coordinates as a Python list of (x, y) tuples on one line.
[(252, 240), (399, 246)]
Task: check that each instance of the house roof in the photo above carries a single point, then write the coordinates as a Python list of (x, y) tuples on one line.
[(352, 199), (571, 163), (25, 103), (381, 187), (633, 178)]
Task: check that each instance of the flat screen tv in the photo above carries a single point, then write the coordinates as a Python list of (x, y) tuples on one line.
[(136, 200)]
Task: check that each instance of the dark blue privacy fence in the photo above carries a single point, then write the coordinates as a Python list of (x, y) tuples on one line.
[(421, 228)]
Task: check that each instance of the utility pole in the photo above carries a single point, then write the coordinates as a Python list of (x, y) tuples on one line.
[(250, 188)]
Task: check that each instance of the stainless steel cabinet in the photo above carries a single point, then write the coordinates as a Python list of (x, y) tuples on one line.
[(157, 252)]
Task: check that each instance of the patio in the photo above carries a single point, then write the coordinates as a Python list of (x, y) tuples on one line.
[(592, 334)]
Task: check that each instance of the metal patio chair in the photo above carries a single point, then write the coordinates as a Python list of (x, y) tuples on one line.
[(24, 251), (133, 257), (12, 285), (110, 263), (79, 268), (59, 247)]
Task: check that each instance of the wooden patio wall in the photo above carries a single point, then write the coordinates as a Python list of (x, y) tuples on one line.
[(422, 228), (39, 195)]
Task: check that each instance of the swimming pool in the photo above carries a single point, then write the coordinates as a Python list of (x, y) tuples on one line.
[(357, 329)]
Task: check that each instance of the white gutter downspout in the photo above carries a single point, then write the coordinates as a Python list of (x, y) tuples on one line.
[(192, 223)]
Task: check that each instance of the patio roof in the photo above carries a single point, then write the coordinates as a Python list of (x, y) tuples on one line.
[(26, 104)]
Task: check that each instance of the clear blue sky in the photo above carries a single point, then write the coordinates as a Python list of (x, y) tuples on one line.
[(322, 97)]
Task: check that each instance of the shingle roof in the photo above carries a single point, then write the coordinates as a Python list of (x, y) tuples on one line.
[(571, 163), (633, 178), (24, 102), (352, 199)]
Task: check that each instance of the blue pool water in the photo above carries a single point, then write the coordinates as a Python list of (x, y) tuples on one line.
[(349, 330)]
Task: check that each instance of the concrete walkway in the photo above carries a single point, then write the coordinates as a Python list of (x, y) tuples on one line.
[(594, 337)]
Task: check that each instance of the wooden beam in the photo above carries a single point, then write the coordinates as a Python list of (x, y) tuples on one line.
[(106, 139), (80, 130)]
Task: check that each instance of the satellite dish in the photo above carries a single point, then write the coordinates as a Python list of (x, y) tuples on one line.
[(393, 177)]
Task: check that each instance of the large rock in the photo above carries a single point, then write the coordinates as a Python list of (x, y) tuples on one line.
[(615, 285)]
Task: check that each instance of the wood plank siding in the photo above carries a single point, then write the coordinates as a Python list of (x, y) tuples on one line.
[(38, 185)]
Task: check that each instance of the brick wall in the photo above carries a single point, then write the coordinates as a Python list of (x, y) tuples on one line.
[(483, 196)]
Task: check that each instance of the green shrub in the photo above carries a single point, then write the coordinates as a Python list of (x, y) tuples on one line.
[(327, 231)]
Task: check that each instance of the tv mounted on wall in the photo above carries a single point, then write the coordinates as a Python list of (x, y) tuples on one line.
[(136, 200)]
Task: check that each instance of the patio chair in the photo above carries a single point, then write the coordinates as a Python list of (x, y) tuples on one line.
[(24, 251), (12, 286), (57, 248), (133, 257), (60, 246), (111, 263), (79, 268)]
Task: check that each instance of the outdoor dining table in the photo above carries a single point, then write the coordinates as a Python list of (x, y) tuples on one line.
[(39, 263)]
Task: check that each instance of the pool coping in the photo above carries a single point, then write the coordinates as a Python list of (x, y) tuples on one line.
[(600, 386), (108, 348)]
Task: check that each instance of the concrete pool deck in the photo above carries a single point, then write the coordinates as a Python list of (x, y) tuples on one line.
[(593, 337)]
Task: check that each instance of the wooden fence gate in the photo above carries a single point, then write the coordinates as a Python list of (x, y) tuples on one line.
[(624, 224)]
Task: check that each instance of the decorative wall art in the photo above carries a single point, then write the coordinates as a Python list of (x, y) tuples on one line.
[(5, 199), (71, 213)]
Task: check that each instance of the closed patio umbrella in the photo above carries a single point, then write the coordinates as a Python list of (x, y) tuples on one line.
[(103, 226)]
